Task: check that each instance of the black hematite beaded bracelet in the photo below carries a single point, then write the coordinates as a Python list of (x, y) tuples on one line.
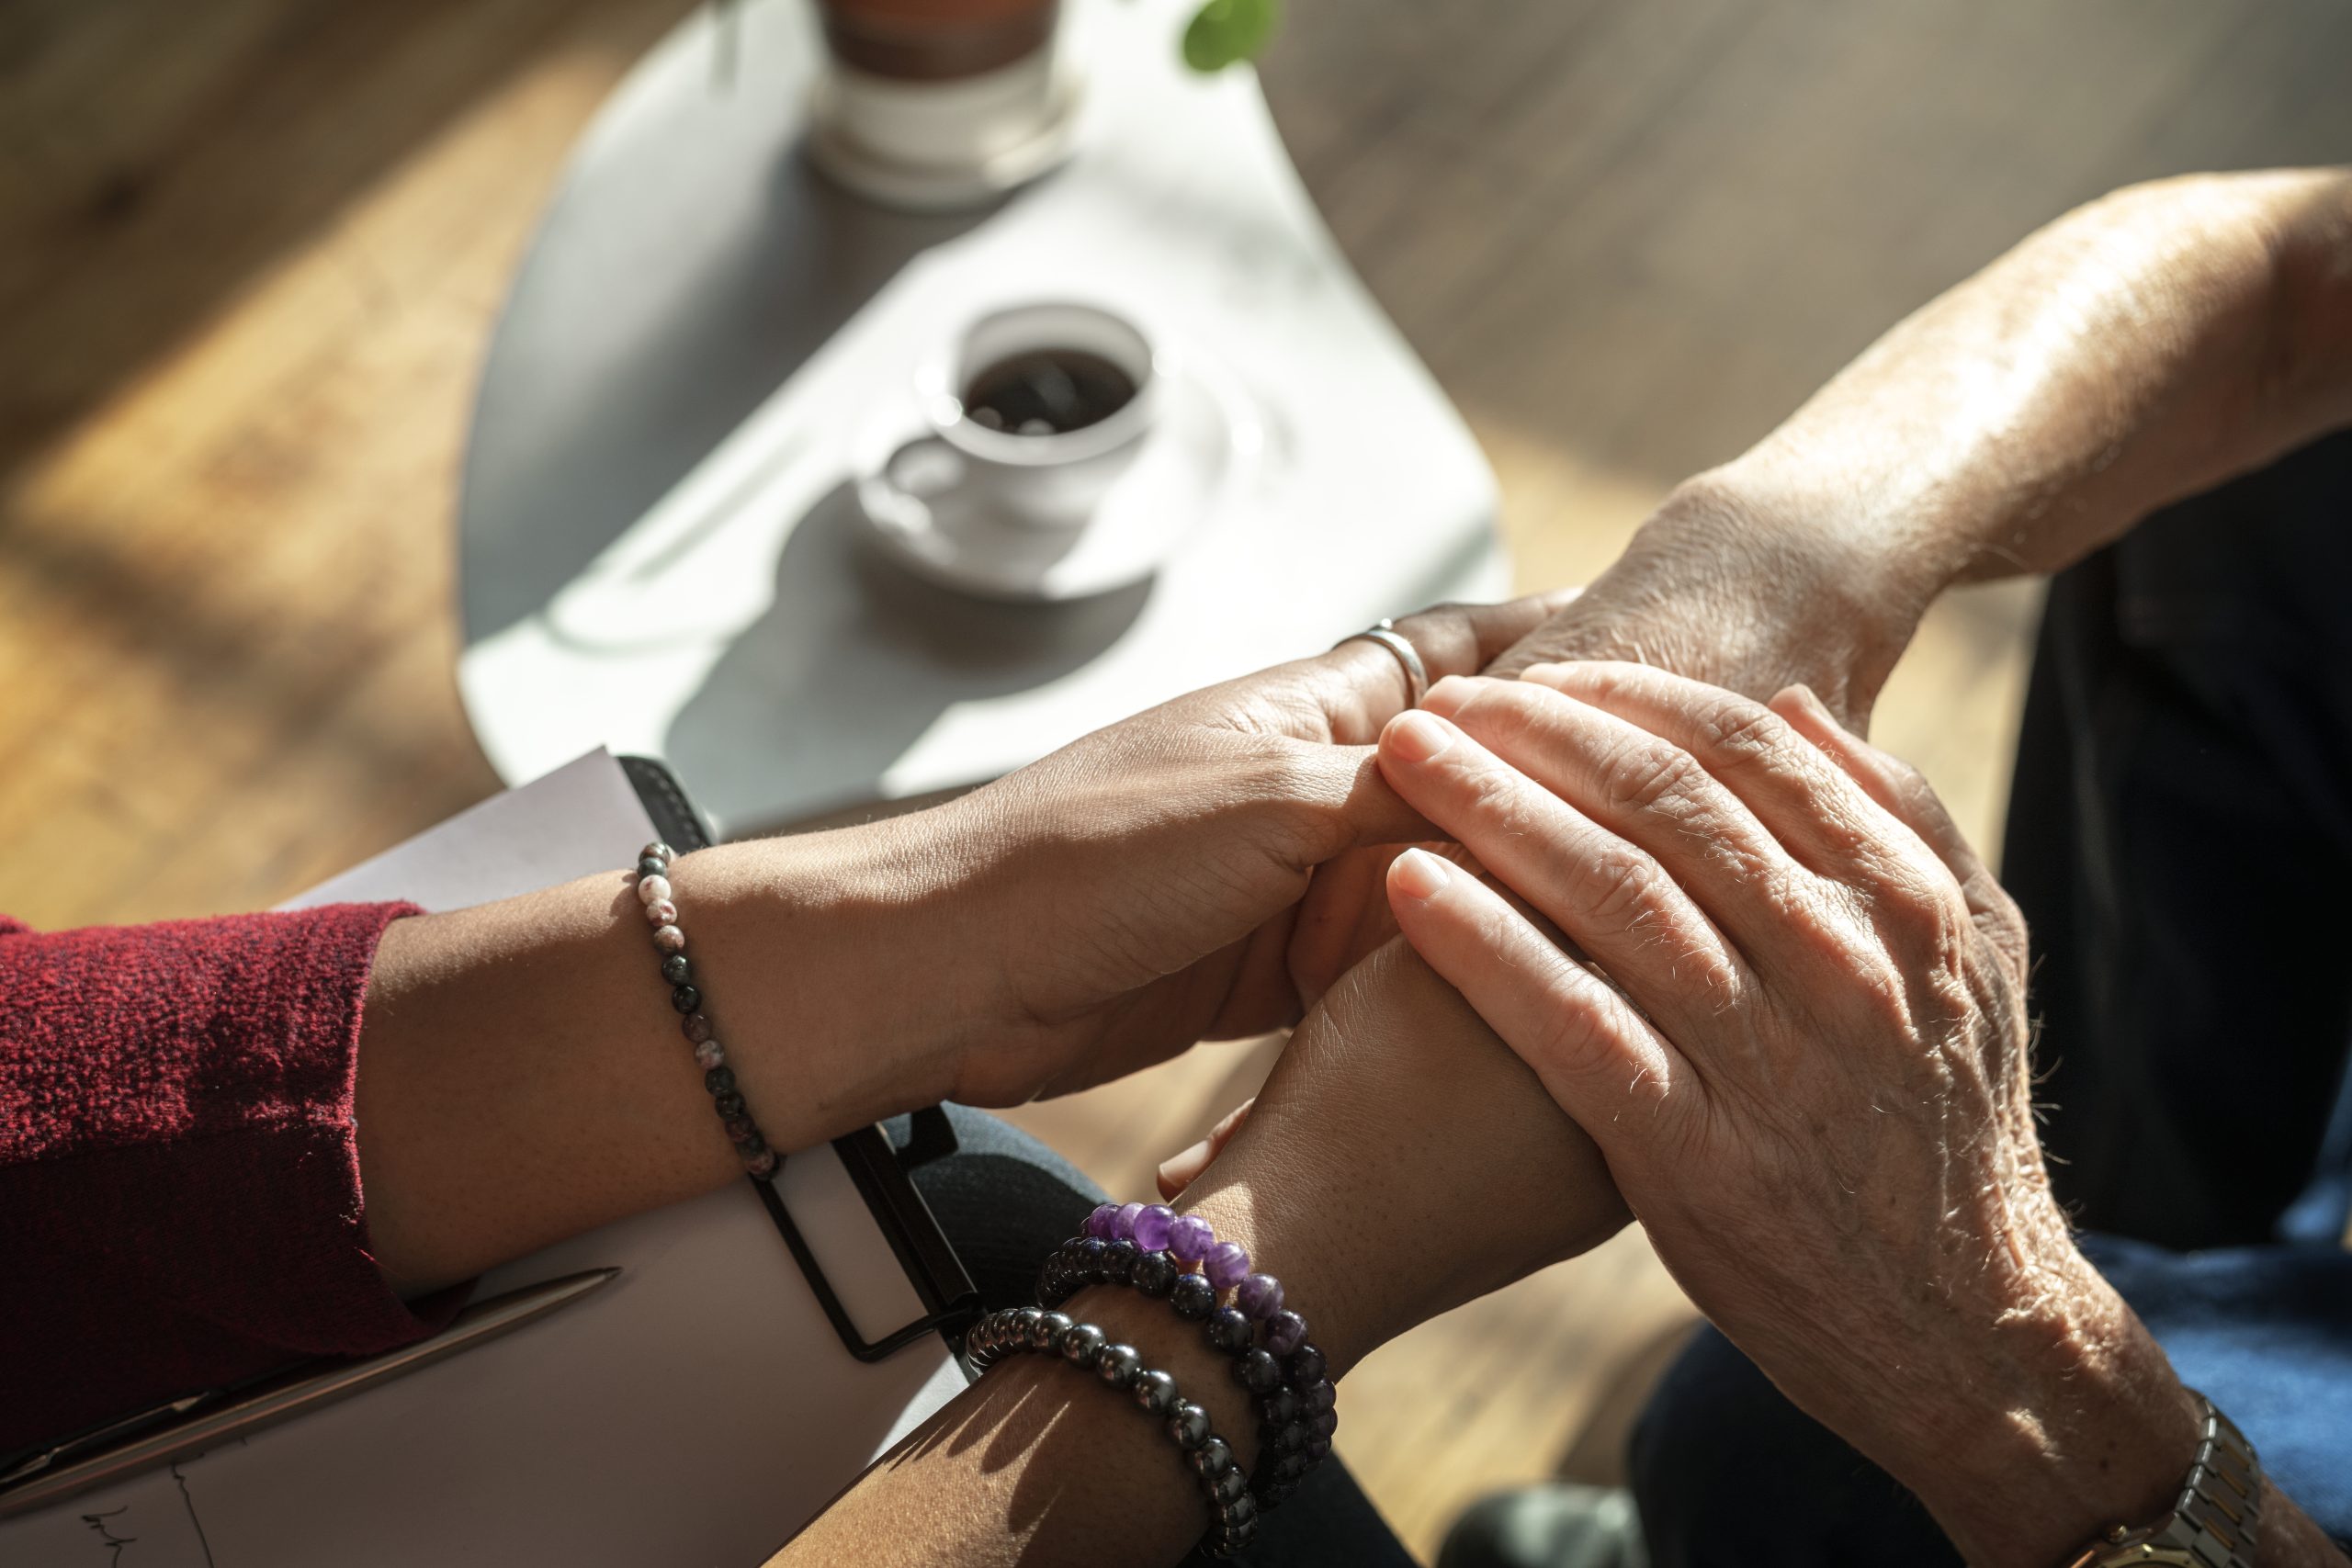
[(654, 893), (1033, 1329), (1294, 1398)]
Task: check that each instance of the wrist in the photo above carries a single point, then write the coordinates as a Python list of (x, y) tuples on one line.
[(1311, 1247), (827, 946), (1348, 1183), (1189, 1342), (1752, 576), (2074, 1423), (1858, 575)]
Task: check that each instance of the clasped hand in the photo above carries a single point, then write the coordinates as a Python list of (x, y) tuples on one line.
[(1140, 889), (1747, 954), (1756, 961)]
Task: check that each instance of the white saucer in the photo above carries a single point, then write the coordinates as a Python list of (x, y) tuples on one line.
[(1206, 438)]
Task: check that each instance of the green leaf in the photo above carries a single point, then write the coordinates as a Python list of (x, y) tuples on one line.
[(1228, 31)]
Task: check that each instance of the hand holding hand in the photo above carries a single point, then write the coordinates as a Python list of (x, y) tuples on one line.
[(1400, 1161), (1807, 1066), (1137, 890)]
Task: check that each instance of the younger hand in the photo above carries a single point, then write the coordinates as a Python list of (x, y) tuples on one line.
[(1138, 890)]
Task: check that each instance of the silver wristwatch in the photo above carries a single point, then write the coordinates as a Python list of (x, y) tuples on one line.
[(2214, 1521)]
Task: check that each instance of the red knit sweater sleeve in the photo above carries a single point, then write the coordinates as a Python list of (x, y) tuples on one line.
[(179, 1183)]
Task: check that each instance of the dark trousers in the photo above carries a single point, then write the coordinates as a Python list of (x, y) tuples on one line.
[(1006, 1201), (2180, 840)]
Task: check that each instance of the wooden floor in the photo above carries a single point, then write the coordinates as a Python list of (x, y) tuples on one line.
[(251, 250)]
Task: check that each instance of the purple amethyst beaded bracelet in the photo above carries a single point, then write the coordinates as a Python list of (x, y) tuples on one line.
[(1188, 1239), (654, 893)]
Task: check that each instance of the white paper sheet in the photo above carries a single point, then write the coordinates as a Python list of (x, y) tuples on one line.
[(695, 1411)]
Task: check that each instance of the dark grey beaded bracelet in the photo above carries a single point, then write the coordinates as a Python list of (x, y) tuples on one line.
[(654, 892), (1221, 1480), (1296, 1399)]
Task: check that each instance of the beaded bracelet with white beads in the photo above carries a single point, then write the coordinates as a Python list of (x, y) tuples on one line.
[(654, 892)]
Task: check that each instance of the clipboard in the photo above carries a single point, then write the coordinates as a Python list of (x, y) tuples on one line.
[(700, 1404), (949, 1300)]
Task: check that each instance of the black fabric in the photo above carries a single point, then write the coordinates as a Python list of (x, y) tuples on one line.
[(2180, 840), (1729, 1474)]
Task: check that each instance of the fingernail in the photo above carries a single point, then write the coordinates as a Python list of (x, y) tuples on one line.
[(1177, 1170), (1418, 874), (1416, 736)]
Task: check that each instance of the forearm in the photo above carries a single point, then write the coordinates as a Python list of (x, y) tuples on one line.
[(523, 1076), (1348, 1183), (2138, 350), (2145, 347), (1041, 1464)]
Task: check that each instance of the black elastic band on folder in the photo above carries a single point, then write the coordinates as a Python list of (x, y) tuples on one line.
[(950, 1301)]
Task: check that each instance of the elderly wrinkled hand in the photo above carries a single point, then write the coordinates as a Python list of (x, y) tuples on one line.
[(1751, 578), (1795, 1025)]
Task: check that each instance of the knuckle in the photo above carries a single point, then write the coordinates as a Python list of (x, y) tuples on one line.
[(1292, 799), (1643, 776), (1497, 798), (1443, 610), (1930, 934), (1297, 703), (1483, 787), (1738, 731), (1507, 710), (1572, 1037), (1851, 955), (1272, 771), (1876, 985), (2002, 923), (1440, 632), (2009, 919), (1907, 776), (1617, 889), (1914, 790), (1912, 900)]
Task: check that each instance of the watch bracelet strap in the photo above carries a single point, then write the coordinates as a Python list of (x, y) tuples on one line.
[(2216, 1517), (2221, 1501)]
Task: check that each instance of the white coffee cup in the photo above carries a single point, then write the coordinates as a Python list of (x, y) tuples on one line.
[(1047, 480)]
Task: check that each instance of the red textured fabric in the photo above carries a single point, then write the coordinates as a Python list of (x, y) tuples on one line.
[(179, 1183)]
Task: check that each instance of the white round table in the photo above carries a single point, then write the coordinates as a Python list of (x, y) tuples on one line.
[(661, 548)]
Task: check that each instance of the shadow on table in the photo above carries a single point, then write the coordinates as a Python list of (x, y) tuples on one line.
[(673, 345), (853, 661)]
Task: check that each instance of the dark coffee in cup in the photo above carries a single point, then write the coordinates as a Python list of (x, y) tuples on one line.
[(1039, 407), (1047, 392)]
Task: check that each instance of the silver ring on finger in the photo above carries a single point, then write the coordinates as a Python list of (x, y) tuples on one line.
[(1384, 633)]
